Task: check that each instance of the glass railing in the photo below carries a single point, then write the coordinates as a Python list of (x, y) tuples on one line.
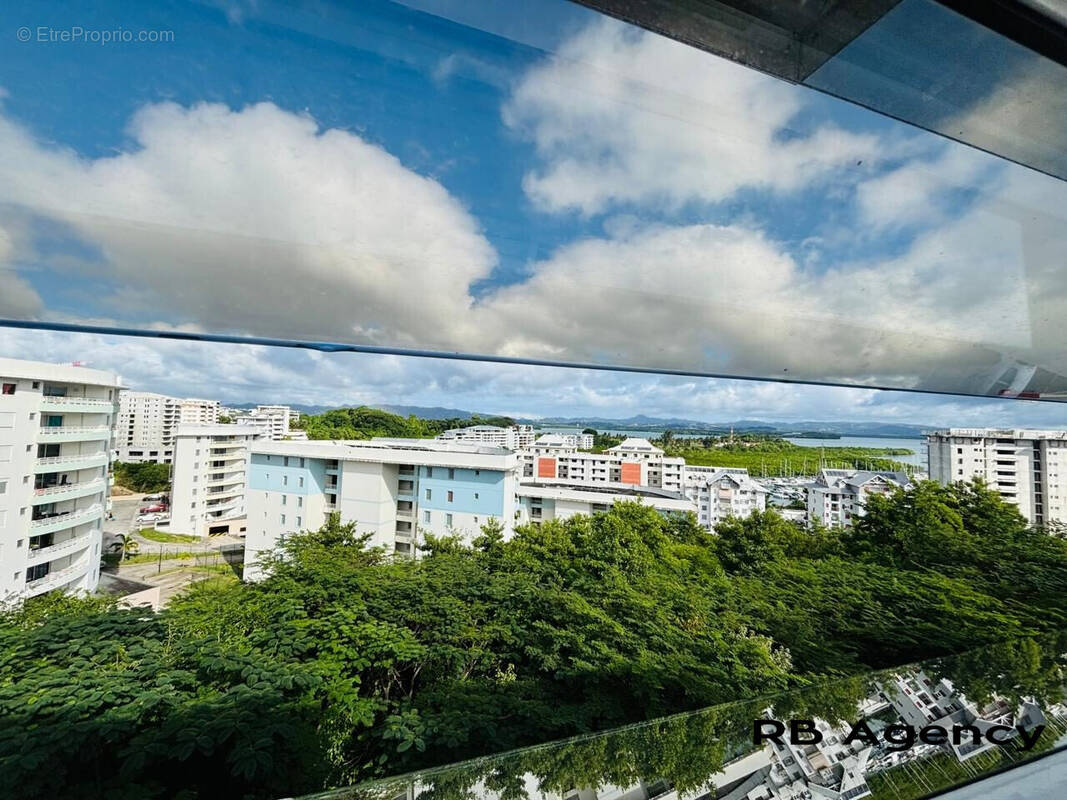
[(869, 735)]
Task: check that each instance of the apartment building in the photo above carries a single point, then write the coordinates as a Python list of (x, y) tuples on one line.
[(275, 420), (635, 462), (921, 700), (147, 423), (208, 479), (826, 769), (516, 437), (538, 502), (721, 492), (55, 438), (838, 496), (1026, 467), (393, 489), (574, 441)]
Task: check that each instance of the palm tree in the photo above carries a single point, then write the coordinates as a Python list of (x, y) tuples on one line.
[(126, 545)]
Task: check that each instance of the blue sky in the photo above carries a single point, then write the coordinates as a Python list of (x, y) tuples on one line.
[(543, 183)]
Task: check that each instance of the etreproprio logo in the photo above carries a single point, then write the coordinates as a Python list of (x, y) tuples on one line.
[(899, 736)]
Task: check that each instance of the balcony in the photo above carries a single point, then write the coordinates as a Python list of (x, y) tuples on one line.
[(235, 477), (77, 405), (65, 520), (64, 433), (42, 554), (68, 491), (53, 580), (71, 462)]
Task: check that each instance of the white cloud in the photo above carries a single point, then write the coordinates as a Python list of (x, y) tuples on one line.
[(258, 221), (624, 116)]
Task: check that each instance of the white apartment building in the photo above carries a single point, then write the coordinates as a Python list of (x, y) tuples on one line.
[(1026, 467), (574, 441), (394, 489), (826, 770), (55, 436), (517, 437), (635, 462), (539, 502), (721, 492), (838, 496), (208, 479), (147, 422), (275, 420)]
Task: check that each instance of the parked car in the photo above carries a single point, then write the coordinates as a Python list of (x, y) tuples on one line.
[(151, 517), (155, 507), (148, 498)]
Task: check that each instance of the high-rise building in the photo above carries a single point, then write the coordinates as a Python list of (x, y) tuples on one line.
[(147, 423), (208, 478), (393, 489), (55, 437), (1026, 467)]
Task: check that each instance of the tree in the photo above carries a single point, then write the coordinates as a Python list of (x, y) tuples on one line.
[(225, 420), (145, 477), (126, 546)]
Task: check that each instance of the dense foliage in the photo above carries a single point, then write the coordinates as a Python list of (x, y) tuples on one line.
[(347, 664), (772, 456), (366, 423), (142, 477)]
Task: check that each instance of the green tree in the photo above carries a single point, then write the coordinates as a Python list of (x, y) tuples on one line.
[(126, 546)]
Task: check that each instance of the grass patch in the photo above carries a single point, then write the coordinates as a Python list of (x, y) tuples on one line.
[(145, 558), (159, 536)]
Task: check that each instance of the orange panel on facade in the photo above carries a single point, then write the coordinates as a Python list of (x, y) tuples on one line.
[(546, 468), (631, 472)]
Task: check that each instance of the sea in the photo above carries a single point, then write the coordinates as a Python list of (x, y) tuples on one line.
[(917, 457)]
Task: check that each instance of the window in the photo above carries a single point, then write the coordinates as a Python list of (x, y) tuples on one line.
[(475, 520), (300, 481), (285, 480), (429, 494), (3, 487), (299, 502), (426, 517), (475, 495), (451, 474), (450, 496), (448, 520), (37, 385), (283, 519), (429, 472), (285, 500), (299, 522), (9, 388)]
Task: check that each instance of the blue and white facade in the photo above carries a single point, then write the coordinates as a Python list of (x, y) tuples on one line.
[(397, 490)]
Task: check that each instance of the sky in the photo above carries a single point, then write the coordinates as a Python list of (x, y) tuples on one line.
[(543, 183)]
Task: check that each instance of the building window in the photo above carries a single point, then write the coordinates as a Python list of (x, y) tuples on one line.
[(426, 517), (429, 472), (475, 495), (299, 522), (429, 494), (448, 520), (300, 482), (3, 487), (451, 474), (283, 519), (37, 385), (450, 496), (9, 388), (299, 502), (285, 499), (285, 480)]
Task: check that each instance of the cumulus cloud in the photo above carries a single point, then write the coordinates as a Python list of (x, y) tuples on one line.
[(257, 220), (623, 116)]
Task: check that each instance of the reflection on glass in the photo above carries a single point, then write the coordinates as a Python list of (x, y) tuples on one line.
[(537, 185)]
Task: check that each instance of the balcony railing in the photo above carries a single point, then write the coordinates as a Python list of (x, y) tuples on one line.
[(72, 405), (78, 461), (56, 579), (67, 519), (77, 432), (71, 490), (42, 554)]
